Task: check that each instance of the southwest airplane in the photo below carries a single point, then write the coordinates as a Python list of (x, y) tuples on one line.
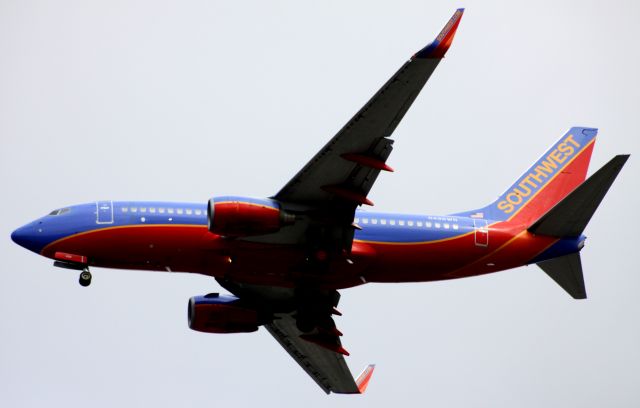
[(284, 258)]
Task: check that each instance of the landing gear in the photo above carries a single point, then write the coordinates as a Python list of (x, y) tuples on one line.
[(85, 277)]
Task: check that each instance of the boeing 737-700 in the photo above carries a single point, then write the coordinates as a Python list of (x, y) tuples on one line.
[(284, 258)]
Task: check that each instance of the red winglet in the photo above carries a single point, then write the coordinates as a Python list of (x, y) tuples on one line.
[(363, 379), (441, 44)]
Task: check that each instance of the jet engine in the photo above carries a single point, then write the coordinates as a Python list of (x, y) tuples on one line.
[(214, 313), (242, 216)]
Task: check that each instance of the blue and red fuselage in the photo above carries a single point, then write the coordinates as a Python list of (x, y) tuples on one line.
[(164, 236)]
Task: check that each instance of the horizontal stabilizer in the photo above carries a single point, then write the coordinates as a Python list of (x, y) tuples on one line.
[(567, 272), (571, 215)]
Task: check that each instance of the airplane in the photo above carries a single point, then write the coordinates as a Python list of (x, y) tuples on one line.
[(284, 258)]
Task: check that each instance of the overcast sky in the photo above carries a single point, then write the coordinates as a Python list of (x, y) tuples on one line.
[(184, 100)]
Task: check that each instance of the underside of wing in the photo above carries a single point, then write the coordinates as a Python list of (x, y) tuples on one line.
[(321, 357)]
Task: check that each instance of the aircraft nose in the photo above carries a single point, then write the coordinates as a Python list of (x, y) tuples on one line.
[(24, 236)]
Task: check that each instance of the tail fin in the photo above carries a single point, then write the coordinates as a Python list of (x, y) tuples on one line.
[(554, 175), (570, 216)]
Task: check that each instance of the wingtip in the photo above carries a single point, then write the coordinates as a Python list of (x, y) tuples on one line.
[(438, 47), (365, 376)]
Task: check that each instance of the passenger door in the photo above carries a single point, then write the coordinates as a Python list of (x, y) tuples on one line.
[(104, 212)]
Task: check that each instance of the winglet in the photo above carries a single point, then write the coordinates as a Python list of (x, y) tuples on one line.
[(363, 379), (441, 44)]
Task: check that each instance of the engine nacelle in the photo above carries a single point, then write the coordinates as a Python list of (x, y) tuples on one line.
[(242, 216), (214, 313)]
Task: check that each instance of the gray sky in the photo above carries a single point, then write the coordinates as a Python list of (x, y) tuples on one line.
[(187, 100)]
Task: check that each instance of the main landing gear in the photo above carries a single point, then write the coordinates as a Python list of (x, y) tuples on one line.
[(85, 277)]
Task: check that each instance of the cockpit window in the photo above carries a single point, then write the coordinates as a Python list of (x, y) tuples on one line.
[(60, 211)]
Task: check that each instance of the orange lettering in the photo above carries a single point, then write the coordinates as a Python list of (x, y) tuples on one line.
[(515, 201), (539, 174), (566, 149), (505, 206), (573, 142), (521, 193), (547, 166), (555, 155), (527, 180)]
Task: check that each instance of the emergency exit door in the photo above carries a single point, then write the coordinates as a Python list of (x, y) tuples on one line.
[(481, 232)]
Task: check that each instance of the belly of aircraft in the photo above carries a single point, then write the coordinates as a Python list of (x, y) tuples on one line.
[(191, 248)]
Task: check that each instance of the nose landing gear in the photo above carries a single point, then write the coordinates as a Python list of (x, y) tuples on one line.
[(85, 277)]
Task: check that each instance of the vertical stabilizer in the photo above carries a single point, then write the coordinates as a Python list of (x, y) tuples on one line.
[(554, 175)]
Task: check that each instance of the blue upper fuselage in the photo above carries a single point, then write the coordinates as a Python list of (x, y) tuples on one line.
[(376, 226)]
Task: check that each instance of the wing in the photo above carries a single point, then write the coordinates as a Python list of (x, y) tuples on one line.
[(344, 170), (324, 196), (321, 355)]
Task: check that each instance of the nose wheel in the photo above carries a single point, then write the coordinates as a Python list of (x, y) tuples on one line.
[(85, 277)]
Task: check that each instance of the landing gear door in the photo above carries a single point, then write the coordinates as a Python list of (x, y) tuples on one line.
[(104, 212), (481, 231)]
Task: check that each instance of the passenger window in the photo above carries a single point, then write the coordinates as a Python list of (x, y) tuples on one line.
[(455, 226), (134, 209), (125, 209), (198, 212), (152, 210), (383, 222), (446, 226), (437, 225), (365, 220), (179, 211), (170, 210), (419, 223), (143, 209), (161, 210), (410, 223), (392, 222), (401, 222), (356, 220), (427, 224), (374, 221), (189, 211)]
